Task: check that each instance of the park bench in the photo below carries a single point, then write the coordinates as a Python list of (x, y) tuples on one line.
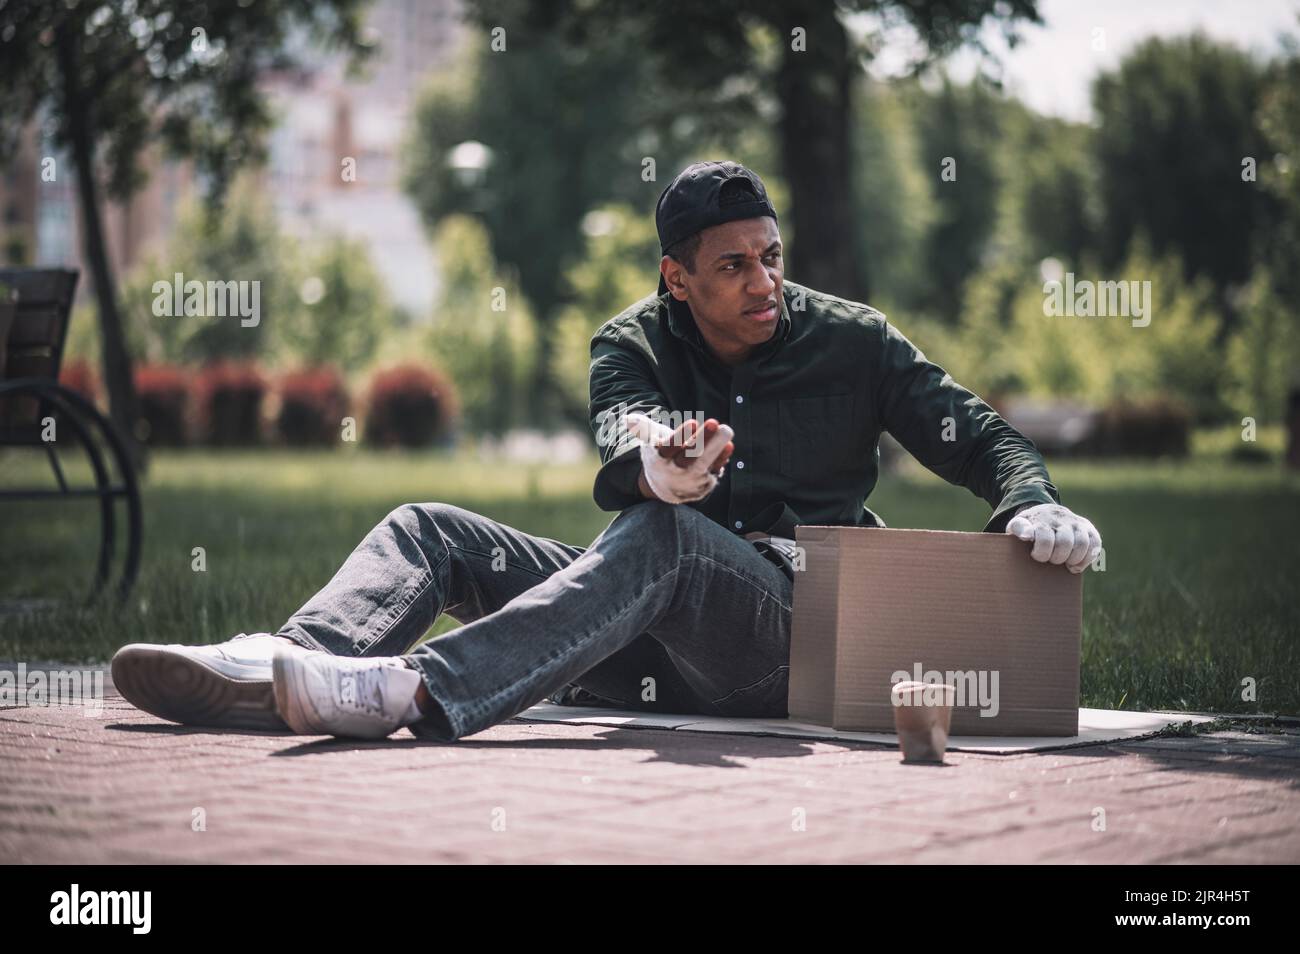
[(38, 412)]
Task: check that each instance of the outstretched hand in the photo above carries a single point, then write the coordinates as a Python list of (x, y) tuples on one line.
[(682, 465)]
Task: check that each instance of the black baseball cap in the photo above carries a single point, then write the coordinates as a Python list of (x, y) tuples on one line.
[(706, 194)]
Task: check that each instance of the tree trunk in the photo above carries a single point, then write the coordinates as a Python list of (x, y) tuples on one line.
[(1293, 429), (814, 88), (544, 402), (123, 410)]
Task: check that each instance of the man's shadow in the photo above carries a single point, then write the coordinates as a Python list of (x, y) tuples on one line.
[(704, 749)]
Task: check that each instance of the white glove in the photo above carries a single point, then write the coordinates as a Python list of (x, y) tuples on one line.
[(1058, 535), (668, 480)]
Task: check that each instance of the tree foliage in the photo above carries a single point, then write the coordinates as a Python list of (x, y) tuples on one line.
[(111, 77), (1176, 121)]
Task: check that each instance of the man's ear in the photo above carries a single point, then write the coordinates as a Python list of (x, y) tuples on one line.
[(671, 270)]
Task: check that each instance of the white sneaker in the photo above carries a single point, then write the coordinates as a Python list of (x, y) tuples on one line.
[(323, 694), (225, 685)]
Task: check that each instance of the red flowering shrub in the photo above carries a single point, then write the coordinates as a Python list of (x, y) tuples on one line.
[(313, 403), (410, 406), (229, 397), (1155, 427), (163, 393)]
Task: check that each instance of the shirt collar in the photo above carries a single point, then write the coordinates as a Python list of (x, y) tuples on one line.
[(682, 324)]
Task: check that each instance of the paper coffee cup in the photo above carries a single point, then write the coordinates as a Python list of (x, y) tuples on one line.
[(922, 715)]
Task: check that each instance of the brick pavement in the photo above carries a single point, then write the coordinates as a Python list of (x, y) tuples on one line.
[(124, 787)]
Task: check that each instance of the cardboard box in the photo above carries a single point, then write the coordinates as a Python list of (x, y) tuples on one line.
[(974, 608)]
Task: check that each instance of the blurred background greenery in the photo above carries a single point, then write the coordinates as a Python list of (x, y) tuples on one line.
[(505, 162), (535, 168)]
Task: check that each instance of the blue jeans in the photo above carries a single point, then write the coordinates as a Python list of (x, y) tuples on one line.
[(665, 611)]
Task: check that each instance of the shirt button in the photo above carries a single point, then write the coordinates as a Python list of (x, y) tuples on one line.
[(739, 399), (740, 465), (739, 524)]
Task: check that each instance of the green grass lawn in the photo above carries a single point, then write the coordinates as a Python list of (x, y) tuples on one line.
[(1199, 590)]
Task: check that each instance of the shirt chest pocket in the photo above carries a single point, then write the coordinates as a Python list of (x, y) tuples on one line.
[(818, 435)]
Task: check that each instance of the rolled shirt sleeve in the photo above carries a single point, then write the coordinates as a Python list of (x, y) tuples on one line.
[(956, 434)]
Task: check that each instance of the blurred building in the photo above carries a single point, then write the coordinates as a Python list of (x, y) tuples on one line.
[(323, 117), (326, 117)]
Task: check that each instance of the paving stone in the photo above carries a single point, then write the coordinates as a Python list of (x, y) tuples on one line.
[(123, 789)]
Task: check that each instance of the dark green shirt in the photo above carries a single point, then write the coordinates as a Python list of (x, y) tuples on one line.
[(808, 407)]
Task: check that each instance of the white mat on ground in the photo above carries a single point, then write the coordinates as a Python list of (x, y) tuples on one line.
[(1095, 725)]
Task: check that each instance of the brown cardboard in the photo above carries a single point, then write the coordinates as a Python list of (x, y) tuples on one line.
[(870, 602)]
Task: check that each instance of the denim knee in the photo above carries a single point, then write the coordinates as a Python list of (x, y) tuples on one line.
[(675, 526), (434, 521), (414, 516)]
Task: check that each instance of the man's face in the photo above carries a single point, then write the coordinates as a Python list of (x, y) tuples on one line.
[(735, 288)]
